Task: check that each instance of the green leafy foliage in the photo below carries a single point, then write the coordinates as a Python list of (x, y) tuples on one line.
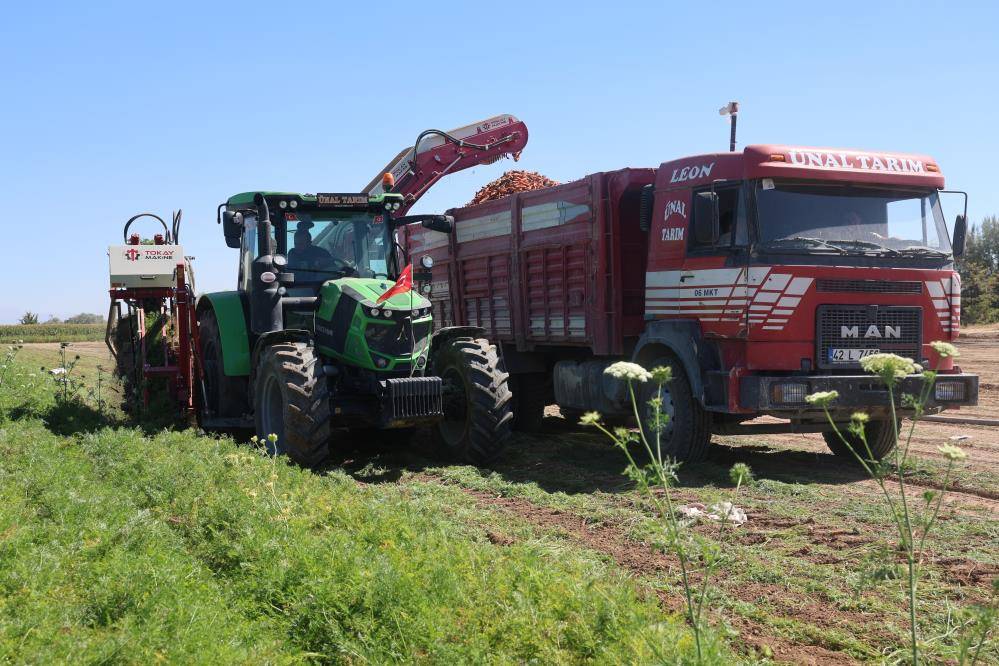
[(979, 269), (64, 332), (120, 547)]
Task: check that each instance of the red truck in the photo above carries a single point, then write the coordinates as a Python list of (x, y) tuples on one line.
[(759, 276)]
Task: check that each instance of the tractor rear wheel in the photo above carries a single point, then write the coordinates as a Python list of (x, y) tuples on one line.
[(224, 396), (292, 400), (687, 434), (880, 439), (477, 400)]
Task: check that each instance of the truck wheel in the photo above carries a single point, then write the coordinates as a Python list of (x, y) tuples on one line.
[(530, 397), (880, 439), (292, 401), (225, 396), (477, 414), (687, 435)]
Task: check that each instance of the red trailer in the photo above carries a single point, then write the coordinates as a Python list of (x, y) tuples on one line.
[(760, 276)]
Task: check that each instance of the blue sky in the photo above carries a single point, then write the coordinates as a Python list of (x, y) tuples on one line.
[(115, 108)]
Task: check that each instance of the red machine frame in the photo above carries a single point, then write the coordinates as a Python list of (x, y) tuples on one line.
[(176, 305)]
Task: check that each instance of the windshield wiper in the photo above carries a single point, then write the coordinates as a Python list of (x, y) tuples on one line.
[(805, 240), (923, 252), (865, 244)]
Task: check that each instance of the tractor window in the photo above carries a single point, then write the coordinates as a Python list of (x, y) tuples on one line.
[(247, 251), (326, 246)]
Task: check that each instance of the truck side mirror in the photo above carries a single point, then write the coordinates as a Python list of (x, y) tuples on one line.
[(706, 222), (645, 207), (960, 234), (232, 227)]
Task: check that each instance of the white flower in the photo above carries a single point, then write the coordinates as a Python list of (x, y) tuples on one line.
[(628, 371), (889, 367), (590, 418), (951, 452), (945, 349), (57, 371), (821, 398)]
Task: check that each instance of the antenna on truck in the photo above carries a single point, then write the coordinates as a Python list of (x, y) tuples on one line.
[(732, 111)]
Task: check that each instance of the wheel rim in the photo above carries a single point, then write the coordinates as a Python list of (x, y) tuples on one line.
[(452, 427), (272, 414), (667, 409)]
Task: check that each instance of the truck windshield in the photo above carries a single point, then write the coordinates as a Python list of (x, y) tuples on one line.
[(323, 246), (842, 218)]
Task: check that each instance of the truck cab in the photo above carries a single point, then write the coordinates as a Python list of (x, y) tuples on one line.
[(759, 276)]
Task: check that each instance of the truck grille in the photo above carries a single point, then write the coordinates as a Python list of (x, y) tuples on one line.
[(412, 397), (869, 286), (895, 330)]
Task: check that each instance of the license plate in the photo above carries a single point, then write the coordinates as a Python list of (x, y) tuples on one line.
[(850, 355)]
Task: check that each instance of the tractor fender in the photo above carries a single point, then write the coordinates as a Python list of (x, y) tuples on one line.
[(442, 335), (231, 315), (681, 338)]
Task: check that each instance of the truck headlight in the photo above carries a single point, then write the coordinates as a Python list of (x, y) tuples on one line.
[(788, 393), (946, 391)]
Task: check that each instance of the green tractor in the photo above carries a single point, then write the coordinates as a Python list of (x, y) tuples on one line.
[(310, 346)]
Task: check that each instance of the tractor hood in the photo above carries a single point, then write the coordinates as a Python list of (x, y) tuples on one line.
[(366, 291), (352, 326)]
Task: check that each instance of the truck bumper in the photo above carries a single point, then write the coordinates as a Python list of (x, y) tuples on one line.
[(787, 393)]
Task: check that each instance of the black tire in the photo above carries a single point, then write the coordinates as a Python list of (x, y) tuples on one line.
[(477, 400), (226, 397), (880, 439), (688, 434), (530, 397), (292, 401)]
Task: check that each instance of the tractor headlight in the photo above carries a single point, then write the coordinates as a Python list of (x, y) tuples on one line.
[(375, 312), (396, 206), (293, 203), (427, 261), (386, 313), (267, 277), (388, 205), (282, 204), (380, 362)]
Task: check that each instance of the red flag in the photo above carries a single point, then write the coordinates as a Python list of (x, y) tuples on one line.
[(401, 286)]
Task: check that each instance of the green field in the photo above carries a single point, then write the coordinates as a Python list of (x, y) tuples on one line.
[(50, 332), (120, 546), (127, 542)]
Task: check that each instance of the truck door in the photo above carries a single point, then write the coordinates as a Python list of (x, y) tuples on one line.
[(713, 281)]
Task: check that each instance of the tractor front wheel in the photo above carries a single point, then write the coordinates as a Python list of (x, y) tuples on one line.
[(292, 401), (477, 400)]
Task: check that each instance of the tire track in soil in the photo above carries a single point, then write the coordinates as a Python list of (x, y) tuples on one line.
[(640, 559)]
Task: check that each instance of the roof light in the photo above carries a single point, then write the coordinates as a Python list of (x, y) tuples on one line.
[(778, 157), (930, 166), (293, 203), (388, 181), (282, 204)]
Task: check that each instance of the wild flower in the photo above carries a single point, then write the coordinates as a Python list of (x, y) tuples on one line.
[(625, 370), (662, 375), (57, 371), (890, 367), (821, 398), (589, 419), (945, 349), (951, 452), (913, 526)]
